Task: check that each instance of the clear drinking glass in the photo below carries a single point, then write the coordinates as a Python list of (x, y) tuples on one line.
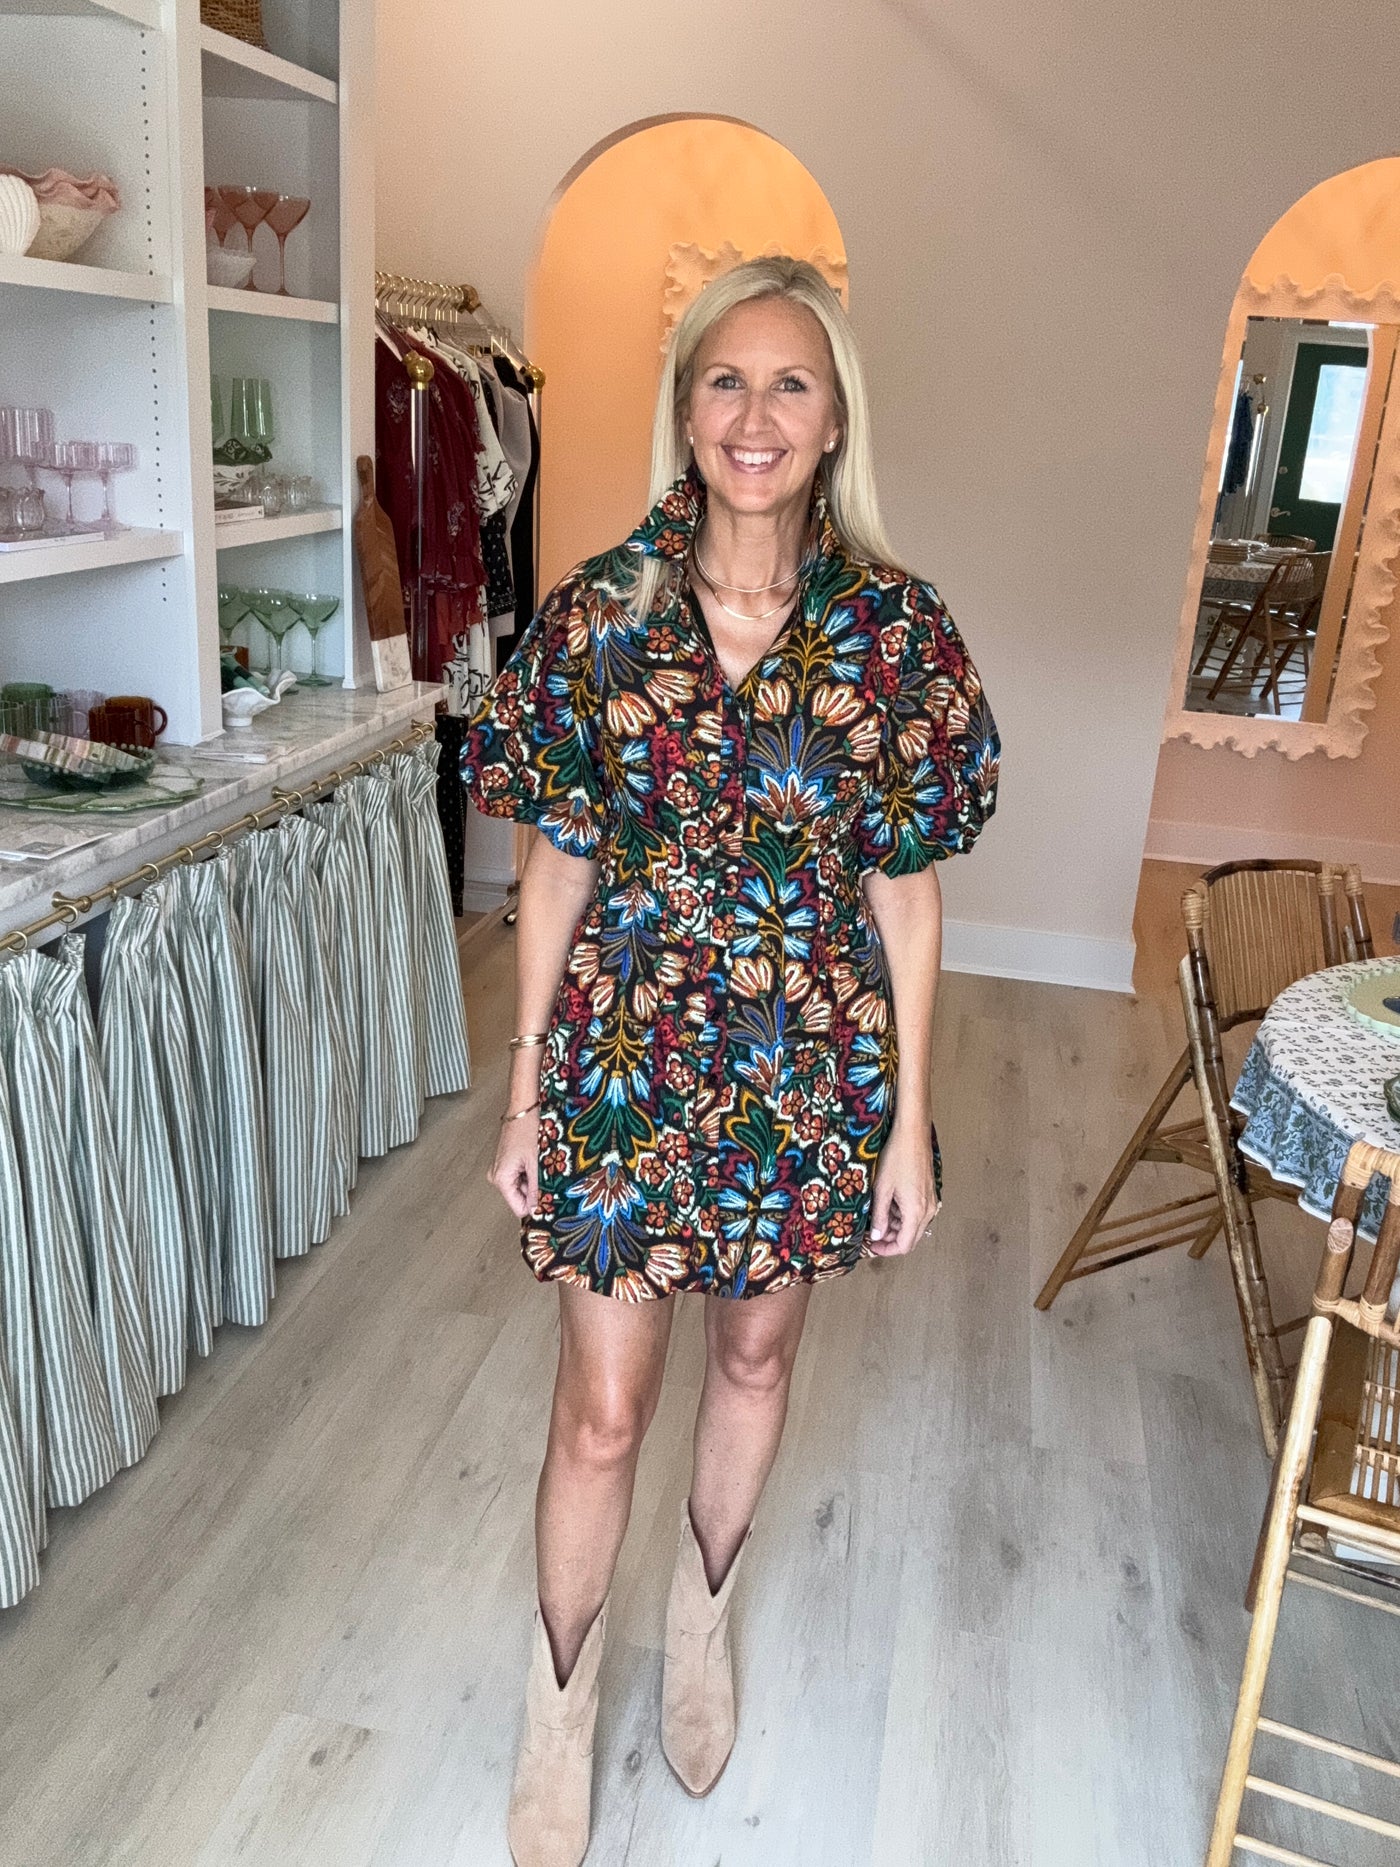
[(31, 515), (72, 459), (113, 457), (9, 512), (27, 436), (315, 612), (286, 213)]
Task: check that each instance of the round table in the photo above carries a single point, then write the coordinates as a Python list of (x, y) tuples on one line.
[(1314, 1082)]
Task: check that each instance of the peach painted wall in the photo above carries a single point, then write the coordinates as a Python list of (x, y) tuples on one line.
[(1210, 804), (594, 307)]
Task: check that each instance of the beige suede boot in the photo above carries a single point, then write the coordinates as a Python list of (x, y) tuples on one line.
[(697, 1688), (551, 1797)]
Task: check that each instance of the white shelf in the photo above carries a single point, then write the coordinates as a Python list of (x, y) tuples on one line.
[(96, 553), (233, 69), (272, 305), (142, 13), (269, 531), (57, 275)]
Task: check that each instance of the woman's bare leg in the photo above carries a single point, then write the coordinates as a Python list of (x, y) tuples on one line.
[(611, 1359), (750, 1349)]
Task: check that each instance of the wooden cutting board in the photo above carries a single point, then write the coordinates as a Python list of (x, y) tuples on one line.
[(379, 573)]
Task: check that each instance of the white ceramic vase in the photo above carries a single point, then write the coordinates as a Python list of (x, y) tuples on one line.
[(19, 215)]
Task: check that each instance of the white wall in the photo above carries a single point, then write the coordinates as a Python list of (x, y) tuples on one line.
[(1047, 211)]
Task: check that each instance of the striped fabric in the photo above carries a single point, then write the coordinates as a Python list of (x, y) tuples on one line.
[(340, 914), (74, 1422), (267, 1017), (171, 1265), (19, 1552), (276, 975), (23, 1516), (350, 899), (326, 1187), (228, 1111), (118, 1314), (392, 962), (434, 939)]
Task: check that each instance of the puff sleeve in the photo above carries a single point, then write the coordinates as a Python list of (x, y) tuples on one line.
[(530, 750), (936, 776)]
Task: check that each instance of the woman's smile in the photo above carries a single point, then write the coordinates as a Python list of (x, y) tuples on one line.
[(754, 459)]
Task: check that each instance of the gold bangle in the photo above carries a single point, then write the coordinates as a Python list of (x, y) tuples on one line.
[(520, 1114), (529, 1040)]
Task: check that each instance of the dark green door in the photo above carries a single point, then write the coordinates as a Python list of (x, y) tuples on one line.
[(1319, 438)]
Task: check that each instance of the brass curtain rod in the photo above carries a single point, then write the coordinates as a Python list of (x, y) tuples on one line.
[(68, 909), (428, 297)]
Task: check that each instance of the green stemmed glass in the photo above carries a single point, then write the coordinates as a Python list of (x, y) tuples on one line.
[(315, 611), (273, 609), (233, 607)]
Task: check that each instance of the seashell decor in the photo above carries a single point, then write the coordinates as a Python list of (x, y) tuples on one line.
[(71, 208), (19, 214)]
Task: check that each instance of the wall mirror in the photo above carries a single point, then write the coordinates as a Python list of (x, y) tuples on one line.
[(1292, 574)]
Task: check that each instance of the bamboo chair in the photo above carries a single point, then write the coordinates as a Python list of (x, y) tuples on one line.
[(1252, 928), (1338, 1473)]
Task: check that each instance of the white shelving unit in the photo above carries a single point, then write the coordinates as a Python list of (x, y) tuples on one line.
[(122, 341)]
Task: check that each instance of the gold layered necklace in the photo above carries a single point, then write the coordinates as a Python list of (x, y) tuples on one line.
[(714, 585)]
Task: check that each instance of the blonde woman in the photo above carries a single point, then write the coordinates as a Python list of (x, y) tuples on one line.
[(745, 735)]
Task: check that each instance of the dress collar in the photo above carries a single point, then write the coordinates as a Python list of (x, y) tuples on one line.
[(667, 530)]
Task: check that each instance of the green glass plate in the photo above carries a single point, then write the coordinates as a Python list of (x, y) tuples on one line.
[(157, 792)]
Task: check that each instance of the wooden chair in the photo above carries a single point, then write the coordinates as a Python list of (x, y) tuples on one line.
[(1251, 928), (1280, 621), (1337, 1475)]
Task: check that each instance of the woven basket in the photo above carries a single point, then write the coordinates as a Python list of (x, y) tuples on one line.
[(241, 19)]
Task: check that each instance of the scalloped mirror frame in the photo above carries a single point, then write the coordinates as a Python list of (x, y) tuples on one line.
[(1335, 254), (690, 268)]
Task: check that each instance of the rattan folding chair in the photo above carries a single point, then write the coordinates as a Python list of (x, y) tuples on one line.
[(1338, 1475), (1252, 928)]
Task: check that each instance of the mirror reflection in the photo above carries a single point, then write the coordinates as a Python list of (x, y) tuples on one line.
[(1306, 409)]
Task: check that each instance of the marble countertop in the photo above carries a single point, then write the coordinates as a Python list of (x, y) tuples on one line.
[(309, 732)]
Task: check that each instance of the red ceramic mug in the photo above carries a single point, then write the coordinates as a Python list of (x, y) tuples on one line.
[(127, 720)]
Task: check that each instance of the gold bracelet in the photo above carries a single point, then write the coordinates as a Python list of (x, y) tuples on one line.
[(529, 1040), (520, 1114)]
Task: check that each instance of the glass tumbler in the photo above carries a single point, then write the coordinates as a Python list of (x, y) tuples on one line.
[(27, 436)]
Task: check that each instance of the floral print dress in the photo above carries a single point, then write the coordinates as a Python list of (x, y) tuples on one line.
[(719, 1073)]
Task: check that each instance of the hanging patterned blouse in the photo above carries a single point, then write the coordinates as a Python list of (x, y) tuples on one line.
[(719, 1074)]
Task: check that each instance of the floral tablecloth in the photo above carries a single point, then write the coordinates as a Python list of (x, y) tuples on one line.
[(1314, 1082)]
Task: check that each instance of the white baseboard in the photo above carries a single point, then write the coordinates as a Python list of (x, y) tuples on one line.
[(481, 897), (1205, 844), (1037, 954)]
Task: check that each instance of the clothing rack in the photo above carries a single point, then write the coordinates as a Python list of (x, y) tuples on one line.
[(67, 910), (429, 301)]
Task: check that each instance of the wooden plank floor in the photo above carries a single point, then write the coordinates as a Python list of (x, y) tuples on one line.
[(990, 1618)]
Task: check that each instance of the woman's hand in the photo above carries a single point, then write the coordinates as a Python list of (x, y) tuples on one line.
[(515, 1172), (905, 1199)]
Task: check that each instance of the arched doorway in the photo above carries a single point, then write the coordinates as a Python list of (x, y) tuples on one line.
[(630, 235)]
